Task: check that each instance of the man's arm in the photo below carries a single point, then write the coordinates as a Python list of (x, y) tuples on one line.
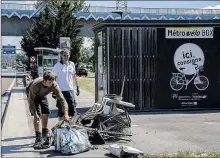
[(55, 74), (77, 84), (53, 94), (75, 80), (56, 90), (55, 71)]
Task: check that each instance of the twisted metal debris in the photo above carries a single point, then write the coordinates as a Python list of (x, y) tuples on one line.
[(108, 120)]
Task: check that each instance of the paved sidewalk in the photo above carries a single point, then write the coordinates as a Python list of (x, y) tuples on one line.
[(5, 84), (17, 137), (18, 131), (85, 99)]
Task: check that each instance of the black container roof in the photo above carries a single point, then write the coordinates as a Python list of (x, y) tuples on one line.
[(155, 23)]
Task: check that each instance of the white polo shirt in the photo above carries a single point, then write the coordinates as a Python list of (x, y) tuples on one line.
[(64, 75)]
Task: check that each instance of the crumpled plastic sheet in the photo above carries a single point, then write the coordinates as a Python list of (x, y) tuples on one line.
[(71, 141), (125, 151)]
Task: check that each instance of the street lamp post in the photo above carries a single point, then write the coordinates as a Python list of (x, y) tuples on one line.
[(120, 12)]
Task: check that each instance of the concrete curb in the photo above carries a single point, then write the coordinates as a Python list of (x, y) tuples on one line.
[(5, 100), (7, 76), (167, 111)]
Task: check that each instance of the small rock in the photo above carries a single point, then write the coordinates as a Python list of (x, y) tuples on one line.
[(146, 132)]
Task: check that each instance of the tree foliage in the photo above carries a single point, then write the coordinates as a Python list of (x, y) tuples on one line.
[(24, 60), (85, 55), (55, 21), (92, 58)]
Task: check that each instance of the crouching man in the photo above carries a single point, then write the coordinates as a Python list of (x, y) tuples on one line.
[(37, 91)]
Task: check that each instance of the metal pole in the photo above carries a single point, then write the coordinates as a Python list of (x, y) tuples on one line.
[(122, 88), (42, 60)]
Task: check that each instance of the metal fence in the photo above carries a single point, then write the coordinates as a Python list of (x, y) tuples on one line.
[(97, 9)]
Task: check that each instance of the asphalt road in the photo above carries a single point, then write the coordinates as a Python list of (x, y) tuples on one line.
[(153, 132), (170, 132), (5, 84), (163, 132), (7, 76)]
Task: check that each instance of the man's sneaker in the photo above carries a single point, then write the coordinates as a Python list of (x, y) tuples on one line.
[(46, 140), (52, 144), (38, 143)]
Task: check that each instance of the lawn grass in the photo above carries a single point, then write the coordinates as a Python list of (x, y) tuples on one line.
[(87, 84), (91, 74)]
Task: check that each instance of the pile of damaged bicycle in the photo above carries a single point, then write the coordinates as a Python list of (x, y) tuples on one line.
[(107, 121)]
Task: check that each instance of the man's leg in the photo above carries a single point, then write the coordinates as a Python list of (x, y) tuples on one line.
[(45, 117), (37, 125), (38, 138), (71, 103), (70, 99)]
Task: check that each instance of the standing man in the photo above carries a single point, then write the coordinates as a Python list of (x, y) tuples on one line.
[(37, 91), (65, 75), (34, 73)]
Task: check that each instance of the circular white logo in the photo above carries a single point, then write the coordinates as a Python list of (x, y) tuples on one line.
[(189, 58)]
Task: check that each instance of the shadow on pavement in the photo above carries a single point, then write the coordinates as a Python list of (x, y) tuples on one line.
[(5, 94), (82, 110), (50, 153), (110, 155), (18, 90), (18, 138), (53, 153), (53, 112), (153, 112), (7, 76), (17, 149)]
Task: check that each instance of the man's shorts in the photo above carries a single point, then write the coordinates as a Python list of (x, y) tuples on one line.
[(42, 106), (70, 99)]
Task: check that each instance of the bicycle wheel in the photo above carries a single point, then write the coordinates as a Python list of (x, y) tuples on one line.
[(201, 83), (176, 83)]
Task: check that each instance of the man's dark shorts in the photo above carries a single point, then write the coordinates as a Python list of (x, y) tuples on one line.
[(42, 106), (70, 99)]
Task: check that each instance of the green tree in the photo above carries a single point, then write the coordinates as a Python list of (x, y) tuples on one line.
[(85, 55), (46, 30), (69, 26), (51, 3), (92, 57), (23, 61), (40, 34)]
